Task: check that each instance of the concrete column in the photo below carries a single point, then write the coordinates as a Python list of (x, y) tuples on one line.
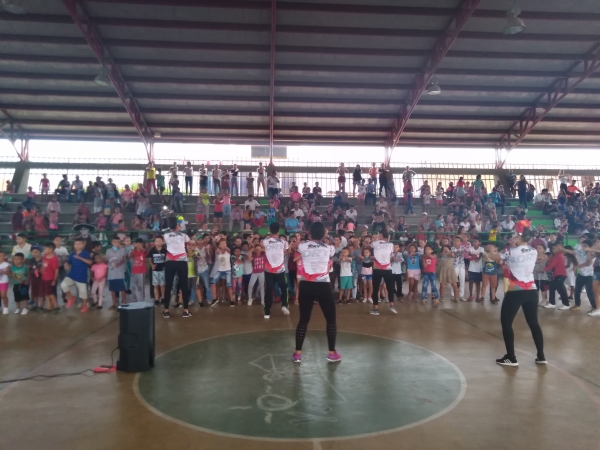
[(21, 177)]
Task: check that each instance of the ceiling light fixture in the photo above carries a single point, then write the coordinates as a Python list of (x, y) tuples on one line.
[(102, 78), (434, 88), (514, 25), (8, 6)]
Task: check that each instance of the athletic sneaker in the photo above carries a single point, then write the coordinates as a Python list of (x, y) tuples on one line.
[(250, 302), (84, 308), (17, 311), (541, 360), (214, 303), (365, 300), (575, 308), (563, 307), (166, 314), (156, 302), (462, 299), (4, 311), (549, 306), (70, 301), (285, 311), (186, 314), (374, 312), (297, 358), (24, 311), (232, 304), (594, 313), (334, 357), (507, 361), (267, 316), (370, 300), (392, 309)]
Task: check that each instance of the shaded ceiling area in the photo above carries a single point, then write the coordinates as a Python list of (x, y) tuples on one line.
[(200, 71)]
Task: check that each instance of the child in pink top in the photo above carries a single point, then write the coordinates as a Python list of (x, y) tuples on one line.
[(101, 221), (99, 271)]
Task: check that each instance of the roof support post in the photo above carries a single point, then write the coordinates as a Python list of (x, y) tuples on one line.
[(547, 101), (92, 36), (272, 86), (442, 45)]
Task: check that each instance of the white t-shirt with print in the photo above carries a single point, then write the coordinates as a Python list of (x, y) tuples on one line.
[(476, 266)]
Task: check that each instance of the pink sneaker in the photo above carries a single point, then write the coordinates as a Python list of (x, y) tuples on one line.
[(84, 308), (70, 301), (334, 357), (297, 357)]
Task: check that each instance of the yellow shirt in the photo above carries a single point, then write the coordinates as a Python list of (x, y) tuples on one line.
[(493, 235), (205, 198), (151, 173)]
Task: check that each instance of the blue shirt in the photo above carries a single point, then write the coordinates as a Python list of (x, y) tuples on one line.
[(291, 225), (412, 262), (79, 269), (370, 188)]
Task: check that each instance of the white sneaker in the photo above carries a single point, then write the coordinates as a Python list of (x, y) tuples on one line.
[(4, 311), (17, 311), (462, 299), (563, 307), (526, 210), (285, 311), (250, 302), (549, 306), (267, 317), (594, 313), (24, 311), (370, 300), (365, 300)]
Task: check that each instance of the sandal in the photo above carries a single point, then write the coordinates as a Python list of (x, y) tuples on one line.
[(470, 299), (436, 302), (112, 308), (455, 300)]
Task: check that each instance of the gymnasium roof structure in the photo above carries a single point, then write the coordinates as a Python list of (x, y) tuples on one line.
[(339, 72)]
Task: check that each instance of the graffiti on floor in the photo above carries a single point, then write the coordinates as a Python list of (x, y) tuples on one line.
[(298, 395)]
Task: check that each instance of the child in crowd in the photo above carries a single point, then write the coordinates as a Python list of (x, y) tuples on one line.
[(77, 267), (156, 257), (116, 260), (367, 274), (258, 258), (397, 262), (19, 272), (35, 277), (201, 211), (447, 272), (5, 272), (557, 266), (542, 282), (490, 271), (237, 275), (50, 265), (99, 271), (138, 271), (345, 283), (475, 255), (218, 212), (429, 269), (413, 270), (223, 268)]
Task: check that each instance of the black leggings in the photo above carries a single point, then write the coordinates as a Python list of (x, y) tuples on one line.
[(398, 282), (321, 292), (388, 278), (188, 183), (270, 280), (181, 269), (514, 300), (558, 284)]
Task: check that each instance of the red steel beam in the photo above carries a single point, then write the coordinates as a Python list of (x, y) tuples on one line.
[(272, 73), (562, 87), (92, 36), (440, 49)]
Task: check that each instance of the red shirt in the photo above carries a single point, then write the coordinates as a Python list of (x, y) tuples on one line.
[(218, 205), (49, 267), (557, 264), (429, 263), (138, 261)]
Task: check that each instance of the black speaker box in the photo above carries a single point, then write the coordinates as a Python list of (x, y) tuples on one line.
[(136, 337)]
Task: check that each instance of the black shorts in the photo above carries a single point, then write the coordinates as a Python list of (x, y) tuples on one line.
[(315, 291), (218, 215), (21, 292), (475, 277), (542, 285)]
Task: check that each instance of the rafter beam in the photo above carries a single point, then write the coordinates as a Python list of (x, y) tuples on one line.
[(561, 87), (440, 49), (92, 36), (272, 72)]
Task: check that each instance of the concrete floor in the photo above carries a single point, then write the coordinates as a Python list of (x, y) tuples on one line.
[(532, 407)]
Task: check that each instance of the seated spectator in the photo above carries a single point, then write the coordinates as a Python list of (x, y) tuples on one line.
[(541, 199), (507, 224), (298, 212), (236, 216), (295, 196), (127, 198), (63, 187), (259, 217), (490, 209), (29, 198), (370, 194), (519, 213), (77, 189), (291, 223), (352, 214)]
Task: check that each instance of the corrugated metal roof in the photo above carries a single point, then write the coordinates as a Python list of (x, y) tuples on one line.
[(200, 70)]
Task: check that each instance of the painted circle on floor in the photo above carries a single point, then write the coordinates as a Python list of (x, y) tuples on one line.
[(246, 385)]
